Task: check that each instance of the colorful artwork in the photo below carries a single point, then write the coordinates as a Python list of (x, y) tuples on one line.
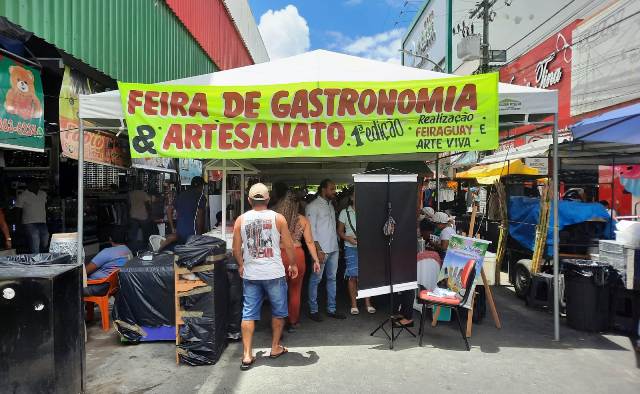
[(21, 114), (463, 255)]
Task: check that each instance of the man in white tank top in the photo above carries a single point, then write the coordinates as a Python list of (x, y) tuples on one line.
[(257, 236)]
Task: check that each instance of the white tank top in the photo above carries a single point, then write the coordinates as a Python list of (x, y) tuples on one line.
[(261, 246)]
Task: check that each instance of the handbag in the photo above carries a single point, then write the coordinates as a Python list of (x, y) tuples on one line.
[(351, 224)]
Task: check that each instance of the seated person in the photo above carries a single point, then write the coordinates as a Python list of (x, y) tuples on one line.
[(106, 261), (440, 239)]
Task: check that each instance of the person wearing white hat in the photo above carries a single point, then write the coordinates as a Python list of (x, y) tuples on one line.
[(440, 241), (428, 213)]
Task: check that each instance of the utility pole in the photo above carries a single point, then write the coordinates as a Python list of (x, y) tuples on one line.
[(485, 35), (484, 10)]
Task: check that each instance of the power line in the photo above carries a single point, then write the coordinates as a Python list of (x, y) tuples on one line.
[(556, 51), (541, 24), (584, 10)]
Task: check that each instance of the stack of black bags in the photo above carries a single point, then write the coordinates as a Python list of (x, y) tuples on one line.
[(204, 309)]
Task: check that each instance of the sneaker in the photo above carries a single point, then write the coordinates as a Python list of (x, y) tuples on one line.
[(336, 315), (371, 309), (315, 317), (291, 329), (355, 311)]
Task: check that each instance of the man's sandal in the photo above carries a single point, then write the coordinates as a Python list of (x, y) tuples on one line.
[(247, 365), (284, 350)]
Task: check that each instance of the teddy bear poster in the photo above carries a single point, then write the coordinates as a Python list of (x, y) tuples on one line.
[(21, 112)]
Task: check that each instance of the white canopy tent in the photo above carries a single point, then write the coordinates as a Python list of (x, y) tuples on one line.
[(518, 104), (325, 66)]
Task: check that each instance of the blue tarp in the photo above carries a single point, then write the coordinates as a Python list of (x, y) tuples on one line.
[(618, 125), (525, 211)]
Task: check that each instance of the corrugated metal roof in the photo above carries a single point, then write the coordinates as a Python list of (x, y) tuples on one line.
[(211, 25), (245, 22), (129, 40)]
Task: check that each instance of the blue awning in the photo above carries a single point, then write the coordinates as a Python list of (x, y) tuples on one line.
[(621, 125)]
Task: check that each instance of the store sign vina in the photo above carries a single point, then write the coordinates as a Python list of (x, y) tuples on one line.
[(327, 119)]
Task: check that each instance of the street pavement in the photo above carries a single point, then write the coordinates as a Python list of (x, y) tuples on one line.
[(341, 357)]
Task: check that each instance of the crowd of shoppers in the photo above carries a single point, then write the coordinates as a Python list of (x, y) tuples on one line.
[(269, 243)]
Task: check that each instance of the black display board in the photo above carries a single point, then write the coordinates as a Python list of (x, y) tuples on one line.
[(372, 213)]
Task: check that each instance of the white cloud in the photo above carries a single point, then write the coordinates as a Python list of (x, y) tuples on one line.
[(383, 46), (284, 32)]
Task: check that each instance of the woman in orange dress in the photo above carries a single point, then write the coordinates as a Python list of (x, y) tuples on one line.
[(299, 227)]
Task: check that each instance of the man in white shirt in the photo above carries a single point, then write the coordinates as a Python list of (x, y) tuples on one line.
[(32, 202), (257, 237), (322, 217)]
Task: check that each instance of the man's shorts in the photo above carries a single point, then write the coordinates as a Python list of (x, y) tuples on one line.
[(254, 292), (351, 262)]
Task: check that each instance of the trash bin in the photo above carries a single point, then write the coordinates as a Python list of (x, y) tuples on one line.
[(42, 330), (588, 294)]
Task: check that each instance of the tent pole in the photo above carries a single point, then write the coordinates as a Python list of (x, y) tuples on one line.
[(224, 199), (556, 237), (80, 222), (438, 182), (612, 206), (241, 192)]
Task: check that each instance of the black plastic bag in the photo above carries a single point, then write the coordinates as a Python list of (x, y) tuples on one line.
[(36, 259), (128, 332), (197, 249), (198, 344), (147, 292), (201, 302), (600, 273)]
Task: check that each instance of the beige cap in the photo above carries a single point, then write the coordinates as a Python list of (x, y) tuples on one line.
[(259, 192), (440, 217)]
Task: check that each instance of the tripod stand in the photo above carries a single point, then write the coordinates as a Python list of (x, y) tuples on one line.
[(389, 229)]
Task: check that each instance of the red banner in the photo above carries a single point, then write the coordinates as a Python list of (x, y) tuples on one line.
[(103, 149)]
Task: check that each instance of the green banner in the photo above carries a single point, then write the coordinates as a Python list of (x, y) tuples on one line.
[(22, 109), (326, 119)]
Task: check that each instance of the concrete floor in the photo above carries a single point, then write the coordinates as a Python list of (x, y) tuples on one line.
[(341, 357)]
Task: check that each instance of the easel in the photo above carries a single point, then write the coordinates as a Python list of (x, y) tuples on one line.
[(487, 289)]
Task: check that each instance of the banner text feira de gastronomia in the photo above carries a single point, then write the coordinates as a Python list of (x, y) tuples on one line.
[(302, 120)]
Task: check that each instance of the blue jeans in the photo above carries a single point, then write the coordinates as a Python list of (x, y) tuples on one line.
[(37, 235), (330, 266), (254, 292)]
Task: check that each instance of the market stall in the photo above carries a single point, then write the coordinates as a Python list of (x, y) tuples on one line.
[(335, 142)]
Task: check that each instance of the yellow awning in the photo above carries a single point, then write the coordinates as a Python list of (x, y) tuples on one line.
[(487, 174)]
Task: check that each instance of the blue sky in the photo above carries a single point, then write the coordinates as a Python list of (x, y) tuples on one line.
[(368, 28)]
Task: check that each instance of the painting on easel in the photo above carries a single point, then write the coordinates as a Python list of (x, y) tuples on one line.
[(462, 255)]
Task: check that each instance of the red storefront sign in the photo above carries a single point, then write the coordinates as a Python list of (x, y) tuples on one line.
[(104, 149), (546, 66)]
